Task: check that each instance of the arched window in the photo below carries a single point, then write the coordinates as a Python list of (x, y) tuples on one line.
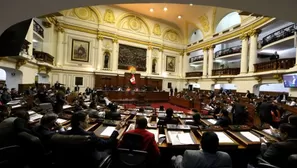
[(2, 75), (228, 21), (196, 36)]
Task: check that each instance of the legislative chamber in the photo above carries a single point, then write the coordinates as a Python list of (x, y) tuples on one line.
[(148, 85)]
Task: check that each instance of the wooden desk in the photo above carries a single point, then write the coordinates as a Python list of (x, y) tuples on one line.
[(244, 140), (101, 131), (120, 96), (267, 136), (169, 139), (208, 122), (239, 127), (181, 102)]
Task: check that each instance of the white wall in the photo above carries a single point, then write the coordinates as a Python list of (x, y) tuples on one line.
[(43, 78), (13, 77), (228, 21), (196, 36), (277, 87), (225, 86)]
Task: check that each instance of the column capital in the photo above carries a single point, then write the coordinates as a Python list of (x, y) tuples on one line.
[(254, 32), (244, 36), (211, 47), (205, 48), (99, 36), (115, 40), (59, 27)]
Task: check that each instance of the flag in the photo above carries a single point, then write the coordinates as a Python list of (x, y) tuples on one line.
[(132, 80)]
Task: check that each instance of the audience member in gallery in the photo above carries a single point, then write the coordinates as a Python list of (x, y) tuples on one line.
[(278, 153), (147, 143), (208, 157)]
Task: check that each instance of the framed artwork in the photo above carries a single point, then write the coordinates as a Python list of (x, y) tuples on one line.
[(79, 80), (170, 63), (80, 50)]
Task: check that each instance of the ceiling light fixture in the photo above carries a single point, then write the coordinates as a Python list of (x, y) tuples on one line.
[(179, 17), (165, 9), (151, 10), (191, 4)]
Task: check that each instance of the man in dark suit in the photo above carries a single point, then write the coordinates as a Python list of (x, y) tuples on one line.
[(278, 153), (168, 118), (265, 112), (282, 98), (171, 91), (45, 130), (148, 144), (208, 157), (88, 91), (60, 100), (224, 120), (5, 97), (239, 114)]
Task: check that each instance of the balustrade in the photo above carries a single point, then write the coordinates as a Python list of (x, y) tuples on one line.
[(196, 59), (275, 65), (43, 57), (227, 71), (228, 51), (279, 34), (193, 74)]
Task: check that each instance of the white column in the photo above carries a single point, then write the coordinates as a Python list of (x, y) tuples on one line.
[(205, 60), (244, 53), (29, 38), (149, 60), (59, 56), (100, 56), (185, 64), (115, 55), (159, 63), (210, 60), (180, 65), (253, 50), (162, 62)]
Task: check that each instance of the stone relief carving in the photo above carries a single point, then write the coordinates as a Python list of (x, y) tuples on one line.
[(109, 16), (157, 30)]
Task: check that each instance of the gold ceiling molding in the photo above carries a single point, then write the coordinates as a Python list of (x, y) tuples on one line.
[(171, 35), (134, 22), (20, 63), (157, 30), (254, 32), (84, 13), (100, 34), (232, 34), (204, 21), (109, 16)]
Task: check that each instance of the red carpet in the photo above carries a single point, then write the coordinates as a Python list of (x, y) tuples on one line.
[(157, 105)]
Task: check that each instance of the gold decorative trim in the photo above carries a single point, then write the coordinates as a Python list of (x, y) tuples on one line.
[(258, 79), (109, 16), (278, 78), (244, 36), (20, 63), (232, 34), (254, 32)]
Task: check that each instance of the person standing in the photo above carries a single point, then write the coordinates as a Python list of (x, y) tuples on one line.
[(171, 91)]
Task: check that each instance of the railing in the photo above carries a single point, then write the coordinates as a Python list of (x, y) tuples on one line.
[(38, 29), (279, 34), (193, 74), (25, 46), (43, 57), (228, 51), (227, 71), (275, 65), (196, 58)]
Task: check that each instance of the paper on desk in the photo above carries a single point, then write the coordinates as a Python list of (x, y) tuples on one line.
[(185, 138), (189, 120), (31, 112), (250, 136), (66, 106), (60, 121), (223, 138), (213, 121), (35, 117), (14, 102), (16, 106), (268, 131), (155, 132), (108, 131)]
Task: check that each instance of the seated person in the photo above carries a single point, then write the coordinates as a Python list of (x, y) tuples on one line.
[(4, 112), (223, 120), (196, 118), (47, 128), (92, 111), (293, 120), (278, 153), (112, 114), (79, 122), (13, 125), (161, 108), (141, 110), (149, 144), (76, 106), (168, 118), (208, 157)]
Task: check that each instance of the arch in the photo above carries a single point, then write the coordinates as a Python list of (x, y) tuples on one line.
[(229, 20), (2, 75), (171, 35), (89, 13), (134, 23), (196, 36), (13, 77), (97, 13)]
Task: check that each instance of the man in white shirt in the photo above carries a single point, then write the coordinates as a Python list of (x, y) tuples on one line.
[(107, 102)]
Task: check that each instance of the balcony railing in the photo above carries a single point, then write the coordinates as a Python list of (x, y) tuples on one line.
[(38, 29), (196, 58), (227, 71), (279, 34), (43, 57), (193, 74), (228, 51), (275, 65)]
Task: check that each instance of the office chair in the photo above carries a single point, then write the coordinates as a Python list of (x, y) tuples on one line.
[(46, 107), (35, 155), (292, 162), (10, 156), (132, 158)]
